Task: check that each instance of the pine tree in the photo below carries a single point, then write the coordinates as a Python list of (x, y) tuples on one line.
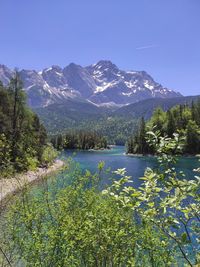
[(18, 100), (193, 111), (23, 134), (192, 138), (59, 142), (142, 139), (170, 124)]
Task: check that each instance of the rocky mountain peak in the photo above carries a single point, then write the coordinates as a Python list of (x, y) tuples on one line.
[(102, 64), (5, 74), (102, 83)]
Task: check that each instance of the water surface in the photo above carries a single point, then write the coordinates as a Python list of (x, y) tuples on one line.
[(115, 158)]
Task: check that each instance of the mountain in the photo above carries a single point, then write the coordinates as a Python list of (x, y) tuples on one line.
[(102, 84), (146, 107), (5, 74), (124, 87)]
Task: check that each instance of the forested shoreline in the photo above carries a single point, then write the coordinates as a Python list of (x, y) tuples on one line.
[(23, 139), (83, 140), (181, 122)]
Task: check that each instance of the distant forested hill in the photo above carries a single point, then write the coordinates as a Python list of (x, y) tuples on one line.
[(146, 107), (59, 119), (117, 125)]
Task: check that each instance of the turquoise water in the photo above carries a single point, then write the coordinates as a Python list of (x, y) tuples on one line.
[(115, 158)]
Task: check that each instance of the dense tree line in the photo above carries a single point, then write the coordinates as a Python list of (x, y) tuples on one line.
[(79, 140), (182, 119), (116, 129), (22, 136), (59, 120)]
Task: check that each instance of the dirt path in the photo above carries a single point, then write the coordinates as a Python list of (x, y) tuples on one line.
[(13, 185)]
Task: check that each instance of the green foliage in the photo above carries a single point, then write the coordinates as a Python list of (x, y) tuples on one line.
[(167, 201), (138, 144), (60, 119), (117, 125), (6, 168), (79, 140), (154, 225), (192, 137), (116, 129), (22, 136), (181, 119), (48, 155)]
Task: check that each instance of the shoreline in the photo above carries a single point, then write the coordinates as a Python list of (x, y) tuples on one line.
[(98, 149), (155, 155), (9, 187), (137, 155)]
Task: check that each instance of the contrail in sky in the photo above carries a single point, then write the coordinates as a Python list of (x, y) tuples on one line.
[(146, 47)]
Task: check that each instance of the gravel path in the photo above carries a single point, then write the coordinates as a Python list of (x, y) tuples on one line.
[(12, 185)]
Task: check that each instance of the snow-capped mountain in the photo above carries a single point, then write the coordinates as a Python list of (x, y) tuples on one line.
[(102, 83), (124, 87)]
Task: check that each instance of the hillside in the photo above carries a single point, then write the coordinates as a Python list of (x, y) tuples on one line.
[(116, 125), (146, 107)]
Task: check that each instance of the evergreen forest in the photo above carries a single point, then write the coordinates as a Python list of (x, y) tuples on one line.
[(23, 139), (83, 140), (182, 119)]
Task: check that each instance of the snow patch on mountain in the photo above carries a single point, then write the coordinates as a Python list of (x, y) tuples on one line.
[(102, 83)]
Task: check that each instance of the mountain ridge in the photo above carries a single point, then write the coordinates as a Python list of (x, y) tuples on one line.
[(102, 83), (145, 108)]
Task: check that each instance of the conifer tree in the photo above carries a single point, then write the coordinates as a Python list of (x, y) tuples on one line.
[(142, 139), (170, 124), (192, 138), (22, 136)]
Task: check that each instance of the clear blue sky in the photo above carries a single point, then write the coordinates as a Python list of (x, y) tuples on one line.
[(159, 36)]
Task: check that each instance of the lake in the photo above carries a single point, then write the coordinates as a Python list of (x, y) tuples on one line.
[(115, 158)]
